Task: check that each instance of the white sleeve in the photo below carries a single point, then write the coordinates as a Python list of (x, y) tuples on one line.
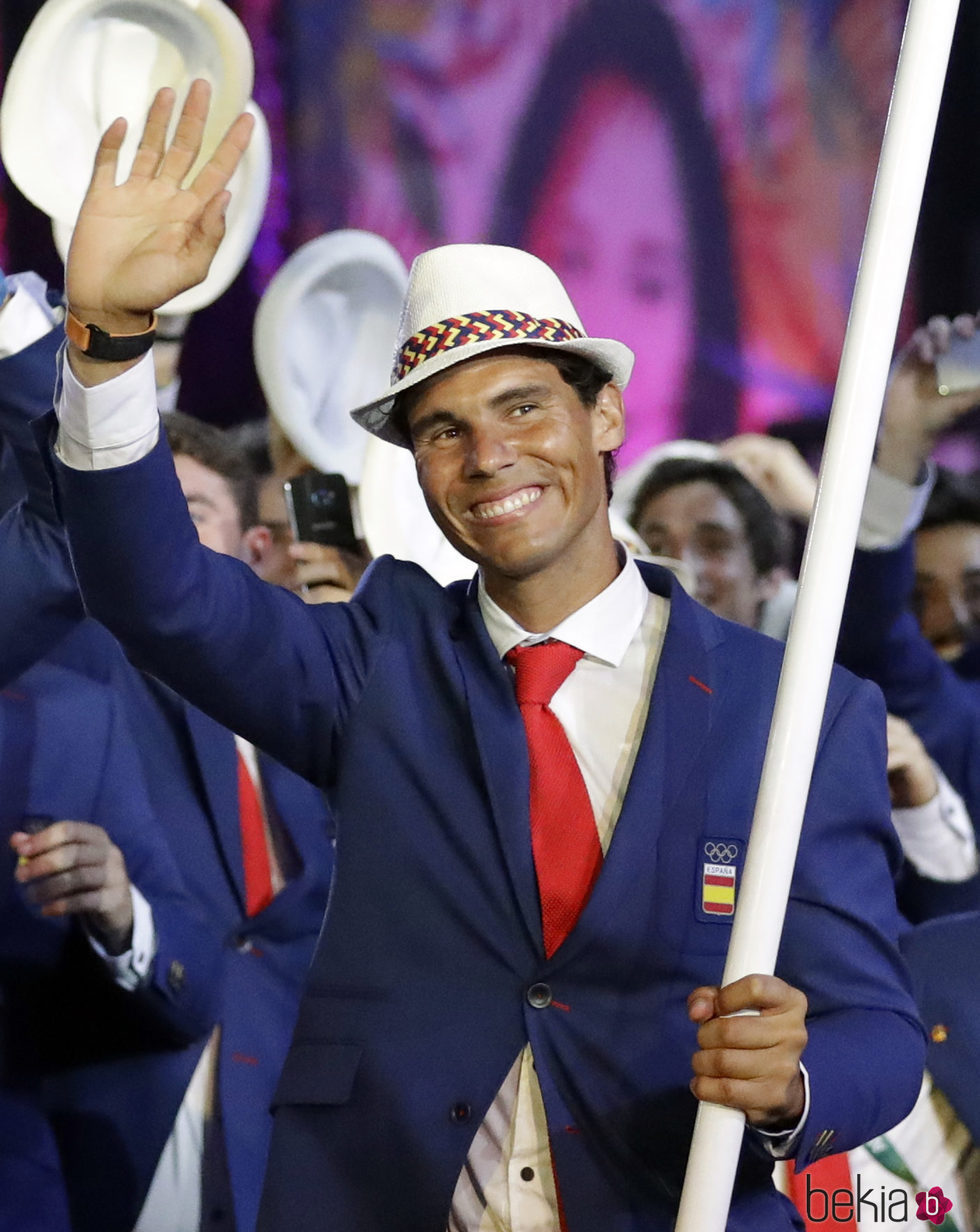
[(780, 1145), (107, 425), (892, 509), (938, 837), (130, 968), (26, 316)]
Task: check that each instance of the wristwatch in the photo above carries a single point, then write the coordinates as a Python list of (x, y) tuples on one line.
[(97, 344)]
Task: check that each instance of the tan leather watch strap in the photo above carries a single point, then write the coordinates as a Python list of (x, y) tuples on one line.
[(97, 344)]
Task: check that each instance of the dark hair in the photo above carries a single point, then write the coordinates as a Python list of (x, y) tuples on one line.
[(955, 498), (251, 438), (634, 39), (765, 530), (212, 447), (585, 377)]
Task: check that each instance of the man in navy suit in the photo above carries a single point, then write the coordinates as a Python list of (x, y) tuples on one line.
[(925, 673), (194, 775), (488, 1036), (107, 968)]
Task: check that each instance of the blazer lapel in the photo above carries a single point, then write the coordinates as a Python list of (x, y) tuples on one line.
[(664, 772), (217, 761), (499, 735), (301, 811)]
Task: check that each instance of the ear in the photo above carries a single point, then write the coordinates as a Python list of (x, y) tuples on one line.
[(256, 545), (608, 419)]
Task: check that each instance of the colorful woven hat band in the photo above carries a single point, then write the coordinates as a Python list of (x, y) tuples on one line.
[(493, 325)]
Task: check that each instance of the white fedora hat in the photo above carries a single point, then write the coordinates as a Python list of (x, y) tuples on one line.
[(464, 300), (84, 62), (322, 342)]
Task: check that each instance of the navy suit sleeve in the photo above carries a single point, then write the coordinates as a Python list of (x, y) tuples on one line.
[(180, 995), (881, 640), (40, 604), (253, 656), (866, 1045)]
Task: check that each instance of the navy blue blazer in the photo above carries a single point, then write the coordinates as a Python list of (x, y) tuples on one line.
[(32, 1190), (190, 764), (417, 1001), (943, 956), (66, 754), (191, 770), (880, 639), (41, 604)]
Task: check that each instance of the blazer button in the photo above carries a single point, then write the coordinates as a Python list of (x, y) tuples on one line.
[(459, 1113), (243, 945), (539, 995), (176, 975)]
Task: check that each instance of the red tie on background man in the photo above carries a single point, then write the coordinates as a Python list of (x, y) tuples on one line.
[(826, 1176), (255, 846), (567, 854)]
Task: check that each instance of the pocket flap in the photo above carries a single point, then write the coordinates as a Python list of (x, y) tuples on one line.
[(318, 1073)]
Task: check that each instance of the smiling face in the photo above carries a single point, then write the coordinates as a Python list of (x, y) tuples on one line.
[(510, 464), (698, 524)]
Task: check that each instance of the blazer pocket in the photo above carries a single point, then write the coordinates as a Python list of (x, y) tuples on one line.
[(318, 1073)]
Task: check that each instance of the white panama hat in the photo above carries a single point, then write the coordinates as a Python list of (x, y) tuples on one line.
[(84, 62), (464, 300), (322, 341)]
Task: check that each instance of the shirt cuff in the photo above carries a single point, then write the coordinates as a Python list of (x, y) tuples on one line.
[(892, 509), (131, 968), (938, 837), (782, 1145), (107, 425), (26, 316)]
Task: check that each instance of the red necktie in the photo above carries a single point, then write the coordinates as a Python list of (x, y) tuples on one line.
[(827, 1175), (567, 855), (255, 848)]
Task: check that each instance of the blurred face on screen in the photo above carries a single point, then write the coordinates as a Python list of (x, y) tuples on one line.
[(611, 221)]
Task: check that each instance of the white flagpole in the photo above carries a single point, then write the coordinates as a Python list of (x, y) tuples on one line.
[(813, 632)]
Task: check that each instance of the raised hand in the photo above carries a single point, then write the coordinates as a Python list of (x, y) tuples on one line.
[(777, 469), (138, 244), (914, 411)]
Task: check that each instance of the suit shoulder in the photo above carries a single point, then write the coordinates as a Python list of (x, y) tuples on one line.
[(391, 590)]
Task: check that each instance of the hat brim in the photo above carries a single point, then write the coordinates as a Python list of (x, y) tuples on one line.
[(322, 341), (375, 416)]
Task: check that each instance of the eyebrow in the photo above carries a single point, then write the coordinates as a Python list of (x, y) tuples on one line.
[(515, 394), (196, 498)]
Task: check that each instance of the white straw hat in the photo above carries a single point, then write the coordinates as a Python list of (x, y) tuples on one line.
[(464, 300), (322, 342), (84, 62)]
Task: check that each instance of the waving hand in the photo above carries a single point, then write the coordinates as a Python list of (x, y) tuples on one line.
[(138, 244)]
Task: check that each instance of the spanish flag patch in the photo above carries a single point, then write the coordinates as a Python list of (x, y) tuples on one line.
[(720, 863)]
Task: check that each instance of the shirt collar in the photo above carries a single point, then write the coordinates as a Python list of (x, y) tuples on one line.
[(602, 629)]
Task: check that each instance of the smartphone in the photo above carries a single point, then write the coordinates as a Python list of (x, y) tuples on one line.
[(320, 510), (958, 368)]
